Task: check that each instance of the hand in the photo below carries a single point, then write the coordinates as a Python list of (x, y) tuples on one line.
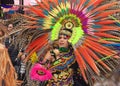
[(20, 54), (56, 51), (23, 57)]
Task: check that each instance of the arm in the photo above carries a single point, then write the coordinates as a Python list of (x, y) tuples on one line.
[(50, 56), (47, 57), (46, 60)]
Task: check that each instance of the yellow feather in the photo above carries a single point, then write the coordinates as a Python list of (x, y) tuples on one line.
[(34, 58), (55, 11), (52, 13), (49, 17), (59, 9), (68, 4)]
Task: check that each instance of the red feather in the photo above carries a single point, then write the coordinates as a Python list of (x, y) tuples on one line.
[(36, 42), (37, 11), (106, 35)]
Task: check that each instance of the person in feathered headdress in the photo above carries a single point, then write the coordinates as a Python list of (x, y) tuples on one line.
[(60, 61), (86, 27)]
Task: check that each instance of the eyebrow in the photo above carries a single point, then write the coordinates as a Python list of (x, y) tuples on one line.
[(10, 26)]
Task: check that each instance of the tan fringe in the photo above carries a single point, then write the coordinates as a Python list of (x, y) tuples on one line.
[(7, 71)]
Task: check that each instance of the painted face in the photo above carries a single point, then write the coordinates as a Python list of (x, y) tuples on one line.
[(10, 27), (63, 41)]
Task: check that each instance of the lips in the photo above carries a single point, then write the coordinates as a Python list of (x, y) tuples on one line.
[(61, 43)]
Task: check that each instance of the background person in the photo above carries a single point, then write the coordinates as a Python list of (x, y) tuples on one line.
[(7, 71)]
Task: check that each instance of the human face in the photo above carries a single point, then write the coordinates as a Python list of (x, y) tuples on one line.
[(10, 27), (63, 41)]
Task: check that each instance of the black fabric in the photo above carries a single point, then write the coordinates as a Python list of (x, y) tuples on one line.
[(13, 52), (77, 78), (7, 2)]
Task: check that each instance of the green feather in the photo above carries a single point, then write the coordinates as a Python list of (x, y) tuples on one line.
[(55, 31), (76, 35)]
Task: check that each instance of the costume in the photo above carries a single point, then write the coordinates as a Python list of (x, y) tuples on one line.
[(63, 70), (7, 71), (91, 28)]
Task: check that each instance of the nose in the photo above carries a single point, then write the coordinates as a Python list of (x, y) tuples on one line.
[(61, 40)]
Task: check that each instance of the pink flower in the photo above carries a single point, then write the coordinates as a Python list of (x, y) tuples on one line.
[(40, 73)]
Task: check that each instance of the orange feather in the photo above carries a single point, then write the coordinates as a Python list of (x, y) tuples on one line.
[(99, 40), (105, 13), (36, 42), (90, 3), (106, 50), (89, 59), (93, 3), (81, 64), (97, 2), (54, 1), (108, 27), (97, 58), (37, 11), (46, 3), (97, 49), (28, 17), (103, 7), (41, 5), (104, 29), (80, 4), (106, 22), (102, 48), (43, 43), (105, 35)]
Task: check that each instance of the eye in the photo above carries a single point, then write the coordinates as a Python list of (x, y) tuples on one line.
[(66, 37), (10, 27), (60, 37)]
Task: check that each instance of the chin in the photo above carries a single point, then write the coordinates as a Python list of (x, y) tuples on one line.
[(61, 46), (64, 46)]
